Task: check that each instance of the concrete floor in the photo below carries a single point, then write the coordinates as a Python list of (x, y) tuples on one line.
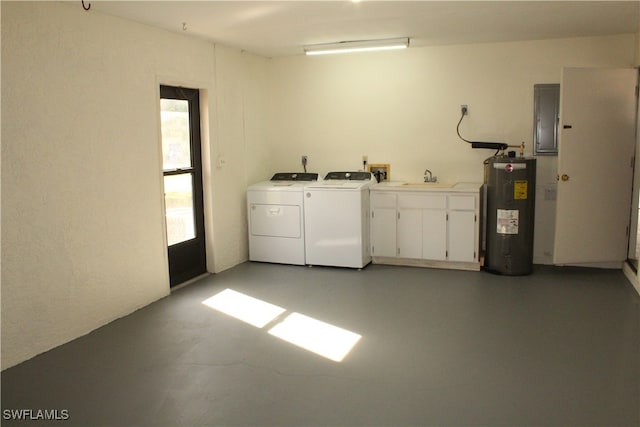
[(560, 347)]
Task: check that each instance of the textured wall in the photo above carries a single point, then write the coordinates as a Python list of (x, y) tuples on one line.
[(83, 225)]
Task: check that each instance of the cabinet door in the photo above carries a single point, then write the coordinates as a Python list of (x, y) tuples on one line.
[(463, 233), (434, 234), (410, 233), (383, 232)]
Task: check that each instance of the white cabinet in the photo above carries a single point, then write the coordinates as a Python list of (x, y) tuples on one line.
[(383, 224), (462, 227), (426, 227), (434, 234), (409, 240), (422, 225)]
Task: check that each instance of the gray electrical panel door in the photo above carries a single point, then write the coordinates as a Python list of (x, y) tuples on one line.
[(546, 116)]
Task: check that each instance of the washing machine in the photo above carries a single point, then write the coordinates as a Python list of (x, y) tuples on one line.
[(276, 218), (336, 220)]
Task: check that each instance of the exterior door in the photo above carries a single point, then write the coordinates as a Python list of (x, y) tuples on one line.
[(182, 170), (597, 131)]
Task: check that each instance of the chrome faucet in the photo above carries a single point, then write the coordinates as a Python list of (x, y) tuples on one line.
[(428, 176)]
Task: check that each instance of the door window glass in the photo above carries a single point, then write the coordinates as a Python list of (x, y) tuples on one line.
[(176, 146), (178, 196)]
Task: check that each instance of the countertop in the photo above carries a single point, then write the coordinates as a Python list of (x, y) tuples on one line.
[(458, 187)]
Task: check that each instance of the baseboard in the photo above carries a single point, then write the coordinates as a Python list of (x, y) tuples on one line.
[(190, 281), (631, 276), (611, 265), (410, 262)]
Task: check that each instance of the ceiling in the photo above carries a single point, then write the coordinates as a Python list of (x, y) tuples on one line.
[(282, 28)]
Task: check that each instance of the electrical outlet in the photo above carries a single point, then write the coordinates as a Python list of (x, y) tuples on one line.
[(464, 109), (304, 160)]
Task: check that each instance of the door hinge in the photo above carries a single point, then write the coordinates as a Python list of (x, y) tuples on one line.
[(447, 217), (373, 249), (446, 254), (373, 215), (398, 215), (398, 251)]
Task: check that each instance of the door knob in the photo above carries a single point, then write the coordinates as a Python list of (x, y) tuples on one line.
[(564, 177)]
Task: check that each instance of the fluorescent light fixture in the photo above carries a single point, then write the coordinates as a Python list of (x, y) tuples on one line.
[(243, 307), (357, 46), (321, 338)]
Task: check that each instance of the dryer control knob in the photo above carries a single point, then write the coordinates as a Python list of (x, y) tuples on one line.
[(308, 194)]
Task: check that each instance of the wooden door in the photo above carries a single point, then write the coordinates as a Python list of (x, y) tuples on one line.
[(597, 132)]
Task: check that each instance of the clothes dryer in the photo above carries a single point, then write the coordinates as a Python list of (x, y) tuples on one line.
[(276, 218)]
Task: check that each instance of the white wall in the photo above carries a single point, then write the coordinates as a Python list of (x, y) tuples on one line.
[(83, 227), (402, 108), (239, 151), (82, 220)]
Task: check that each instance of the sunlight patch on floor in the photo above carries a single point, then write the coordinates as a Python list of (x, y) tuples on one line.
[(313, 335), (318, 337), (243, 307)]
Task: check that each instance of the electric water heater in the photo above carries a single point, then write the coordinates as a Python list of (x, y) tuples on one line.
[(510, 189)]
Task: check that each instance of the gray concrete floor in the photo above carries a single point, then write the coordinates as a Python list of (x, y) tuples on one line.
[(560, 347)]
